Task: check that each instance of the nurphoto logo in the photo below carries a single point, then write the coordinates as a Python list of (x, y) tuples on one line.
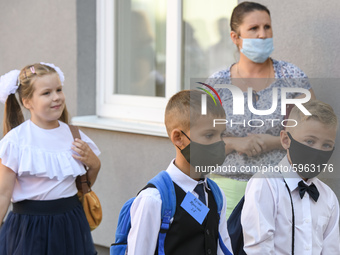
[(239, 103)]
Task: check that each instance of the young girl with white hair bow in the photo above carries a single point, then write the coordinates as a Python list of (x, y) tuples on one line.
[(39, 162)]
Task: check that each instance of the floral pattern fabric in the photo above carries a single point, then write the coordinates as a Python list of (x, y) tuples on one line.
[(287, 75)]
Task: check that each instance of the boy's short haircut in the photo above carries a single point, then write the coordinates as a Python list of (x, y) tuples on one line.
[(320, 111), (184, 109)]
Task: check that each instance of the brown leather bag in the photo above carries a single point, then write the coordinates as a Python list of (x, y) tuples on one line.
[(89, 200)]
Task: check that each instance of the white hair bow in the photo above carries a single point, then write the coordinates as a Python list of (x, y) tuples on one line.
[(57, 69), (9, 81), (8, 84)]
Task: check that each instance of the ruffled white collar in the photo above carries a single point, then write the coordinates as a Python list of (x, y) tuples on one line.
[(29, 149)]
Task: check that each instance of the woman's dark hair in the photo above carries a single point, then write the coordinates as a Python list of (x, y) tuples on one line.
[(242, 9)]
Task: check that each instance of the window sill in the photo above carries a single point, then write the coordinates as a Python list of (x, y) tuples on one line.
[(122, 125)]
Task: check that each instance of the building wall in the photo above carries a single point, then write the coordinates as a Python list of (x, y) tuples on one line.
[(86, 56), (35, 31), (63, 32), (306, 34)]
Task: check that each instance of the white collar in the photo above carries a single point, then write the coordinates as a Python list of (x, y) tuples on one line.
[(291, 177), (184, 181)]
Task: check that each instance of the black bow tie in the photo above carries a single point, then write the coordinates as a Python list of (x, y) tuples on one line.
[(311, 190)]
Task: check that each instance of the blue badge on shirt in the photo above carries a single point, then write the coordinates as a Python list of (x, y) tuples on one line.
[(195, 207)]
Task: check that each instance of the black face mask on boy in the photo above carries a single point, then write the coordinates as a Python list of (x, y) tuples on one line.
[(313, 161), (203, 155)]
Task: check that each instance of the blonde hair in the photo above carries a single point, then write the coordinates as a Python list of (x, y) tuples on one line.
[(13, 115), (320, 111), (184, 109)]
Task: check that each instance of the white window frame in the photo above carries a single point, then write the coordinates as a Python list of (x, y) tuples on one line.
[(130, 107)]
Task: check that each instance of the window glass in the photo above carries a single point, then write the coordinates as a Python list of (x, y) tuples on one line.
[(206, 43), (140, 36)]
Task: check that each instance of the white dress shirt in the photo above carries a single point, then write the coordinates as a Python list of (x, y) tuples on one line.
[(267, 216), (146, 215)]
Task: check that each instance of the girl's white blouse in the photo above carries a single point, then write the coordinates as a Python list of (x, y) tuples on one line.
[(42, 160)]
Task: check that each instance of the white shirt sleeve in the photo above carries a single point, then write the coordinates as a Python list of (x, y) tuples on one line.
[(91, 143), (331, 234), (145, 223), (222, 228), (258, 218)]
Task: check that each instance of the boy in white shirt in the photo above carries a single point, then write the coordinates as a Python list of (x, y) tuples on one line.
[(290, 211), (197, 142)]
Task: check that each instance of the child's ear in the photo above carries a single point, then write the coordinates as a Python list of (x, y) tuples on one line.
[(178, 139), (285, 141), (27, 103)]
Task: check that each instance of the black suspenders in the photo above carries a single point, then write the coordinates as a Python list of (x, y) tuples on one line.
[(293, 216)]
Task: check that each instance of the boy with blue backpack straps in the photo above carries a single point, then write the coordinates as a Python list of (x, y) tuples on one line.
[(181, 211)]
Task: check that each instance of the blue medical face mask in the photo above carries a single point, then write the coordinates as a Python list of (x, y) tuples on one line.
[(257, 50)]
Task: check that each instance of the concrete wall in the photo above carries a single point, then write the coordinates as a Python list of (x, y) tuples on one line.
[(86, 56), (40, 30), (63, 32), (306, 33)]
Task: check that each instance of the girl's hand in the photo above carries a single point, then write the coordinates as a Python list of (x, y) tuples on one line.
[(87, 157)]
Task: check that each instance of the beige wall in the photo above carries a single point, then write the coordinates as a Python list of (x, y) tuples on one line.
[(306, 33), (40, 30), (63, 32)]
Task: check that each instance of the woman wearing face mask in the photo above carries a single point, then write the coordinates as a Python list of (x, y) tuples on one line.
[(252, 141)]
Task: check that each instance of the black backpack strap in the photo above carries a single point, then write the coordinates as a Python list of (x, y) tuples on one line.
[(235, 229), (293, 216), (149, 185)]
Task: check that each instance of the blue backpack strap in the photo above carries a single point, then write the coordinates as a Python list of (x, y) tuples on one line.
[(219, 201), (165, 186), (217, 194), (123, 228), (223, 247)]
